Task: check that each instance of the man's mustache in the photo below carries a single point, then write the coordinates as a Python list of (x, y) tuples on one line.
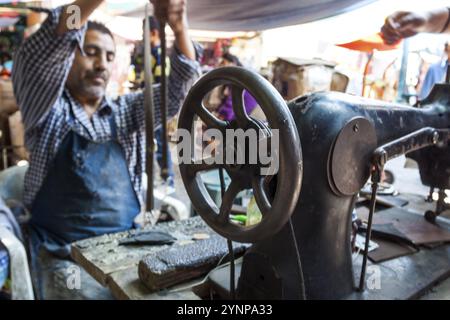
[(102, 75)]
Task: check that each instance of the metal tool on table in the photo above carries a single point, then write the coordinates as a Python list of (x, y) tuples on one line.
[(339, 136), (156, 238)]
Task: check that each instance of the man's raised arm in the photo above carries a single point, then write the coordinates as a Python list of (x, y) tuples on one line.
[(42, 63)]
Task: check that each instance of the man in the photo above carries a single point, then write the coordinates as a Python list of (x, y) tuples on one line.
[(435, 74), (87, 152)]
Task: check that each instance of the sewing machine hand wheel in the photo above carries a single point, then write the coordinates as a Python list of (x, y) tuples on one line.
[(275, 210)]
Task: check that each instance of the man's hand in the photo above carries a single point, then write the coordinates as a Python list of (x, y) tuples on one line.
[(404, 24), (401, 25), (173, 12)]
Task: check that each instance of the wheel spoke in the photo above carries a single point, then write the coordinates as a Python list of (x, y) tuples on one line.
[(238, 106), (262, 200), (204, 165), (227, 201), (265, 141), (209, 119)]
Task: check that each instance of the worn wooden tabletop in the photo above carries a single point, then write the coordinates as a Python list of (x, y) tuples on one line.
[(116, 266)]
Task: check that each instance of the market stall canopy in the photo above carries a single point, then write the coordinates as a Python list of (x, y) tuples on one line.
[(257, 15), (369, 44)]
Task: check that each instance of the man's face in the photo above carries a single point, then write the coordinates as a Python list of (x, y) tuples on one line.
[(90, 74), (154, 38)]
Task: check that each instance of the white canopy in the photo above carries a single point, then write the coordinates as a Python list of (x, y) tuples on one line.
[(257, 15)]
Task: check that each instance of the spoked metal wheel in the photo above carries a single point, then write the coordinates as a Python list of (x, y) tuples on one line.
[(276, 207)]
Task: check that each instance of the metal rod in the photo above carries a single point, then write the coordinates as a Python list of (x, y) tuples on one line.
[(366, 71), (403, 69), (299, 262), (149, 110), (5, 159), (430, 195), (164, 95), (229, 242), (375, 179)]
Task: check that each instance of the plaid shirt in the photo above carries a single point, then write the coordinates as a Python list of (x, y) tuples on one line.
[(41, 67)]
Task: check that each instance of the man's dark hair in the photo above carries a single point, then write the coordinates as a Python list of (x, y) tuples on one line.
[(232, 58), (5, 56), (154, 24), (100, 27)]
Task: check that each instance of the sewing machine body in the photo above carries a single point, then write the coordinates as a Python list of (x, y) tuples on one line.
[(338, 134), (330, 144)]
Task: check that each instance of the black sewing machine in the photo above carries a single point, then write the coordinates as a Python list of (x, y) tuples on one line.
[(330, 144)]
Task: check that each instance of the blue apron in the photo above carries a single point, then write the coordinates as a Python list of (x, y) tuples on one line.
[(87, 192)]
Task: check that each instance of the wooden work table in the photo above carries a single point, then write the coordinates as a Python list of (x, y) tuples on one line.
[(116, 266)]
